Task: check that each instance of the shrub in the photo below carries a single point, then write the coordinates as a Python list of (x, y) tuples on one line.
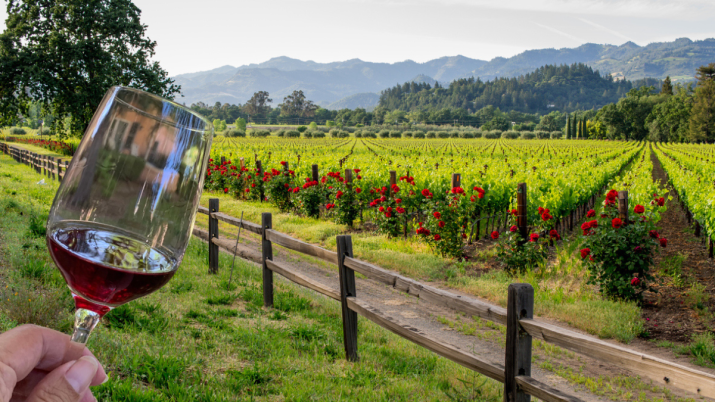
[(240, 124), (477, 134), (293, 133), (619, 255), (329, 123), (18, 131), (301, 129), (431, 134), (407, 134), (369, 134), (542, 135), (259, 133), (556, 135), (359, 125), (443, 134), (527, 135), (318, 134), (280, 133), (44, 131), (384, 133), (308, 134), (454, 134), (357, 134), (512, 135), (492, 135), (395, 134), (466, 134), (418, 134), (334, 133), (235, 133)]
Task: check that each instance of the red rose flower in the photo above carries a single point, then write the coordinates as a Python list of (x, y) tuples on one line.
[(358, 190), (635, 282), (534, 237), (661, 201), (616, 223), (639, 209), (654, 234), (585, 252), (553, 233), (400, 210), (612, 195), (441, 224), (437, 237), (495, 235), (591, 213), (437, 215), (663, 242), (225, 190), (513, 229), (593, 223), (381, 209)]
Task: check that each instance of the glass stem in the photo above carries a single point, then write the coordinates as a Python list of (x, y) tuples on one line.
[(84, 323)]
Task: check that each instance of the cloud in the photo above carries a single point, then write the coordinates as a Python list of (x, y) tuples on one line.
[(611, 31), (562, 33), (682, 9)]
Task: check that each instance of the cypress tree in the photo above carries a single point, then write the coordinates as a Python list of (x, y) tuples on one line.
[(702, 115), (667, 88), (585, 128), (568, 126), (574, 131)]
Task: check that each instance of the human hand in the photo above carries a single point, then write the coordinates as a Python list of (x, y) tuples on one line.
[(42, 365)]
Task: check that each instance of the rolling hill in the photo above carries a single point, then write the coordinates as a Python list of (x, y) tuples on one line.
[(329, 83)]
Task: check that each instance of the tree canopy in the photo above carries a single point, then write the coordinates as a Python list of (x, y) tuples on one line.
[(65, 54)]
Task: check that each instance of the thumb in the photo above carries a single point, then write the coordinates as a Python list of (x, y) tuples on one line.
[(67, 383)]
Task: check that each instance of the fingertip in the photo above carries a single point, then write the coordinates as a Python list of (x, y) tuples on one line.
[(81, 374)]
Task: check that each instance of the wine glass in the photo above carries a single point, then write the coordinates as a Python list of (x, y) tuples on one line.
[(124, 212)]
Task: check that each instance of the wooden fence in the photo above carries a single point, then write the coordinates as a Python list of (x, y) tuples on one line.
[(53, 168), (521, 326)]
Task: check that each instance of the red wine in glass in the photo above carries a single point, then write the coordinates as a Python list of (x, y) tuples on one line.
[(122, 216), (105, 267)]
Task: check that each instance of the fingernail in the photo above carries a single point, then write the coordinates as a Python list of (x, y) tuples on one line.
[(81, 373)]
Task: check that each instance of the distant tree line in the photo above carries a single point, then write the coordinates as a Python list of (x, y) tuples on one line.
[(565, 88), (680, 113)]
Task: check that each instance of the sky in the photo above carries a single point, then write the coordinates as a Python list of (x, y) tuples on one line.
[(196, 36)]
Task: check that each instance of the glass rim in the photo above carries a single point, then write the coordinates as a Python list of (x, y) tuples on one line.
[(117, 88)]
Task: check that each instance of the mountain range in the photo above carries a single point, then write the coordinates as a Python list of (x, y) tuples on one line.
[(356, 83)]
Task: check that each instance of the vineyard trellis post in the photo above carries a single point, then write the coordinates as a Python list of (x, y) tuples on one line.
[(347, 289), (314, 171), (521, 208), (213, 234), (623, 206), (520, 305), (259, 170), (393, 181), (267, 254)]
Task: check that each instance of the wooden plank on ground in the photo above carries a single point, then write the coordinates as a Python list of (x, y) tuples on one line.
[(302, 280), (250, 226), (416, 336), (371, 271), (294, 244), (663, 372)]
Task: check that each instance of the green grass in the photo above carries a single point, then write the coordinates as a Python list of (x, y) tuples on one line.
[(197, 339), (37, 150)]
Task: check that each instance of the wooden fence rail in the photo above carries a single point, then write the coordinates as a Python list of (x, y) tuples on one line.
[(49, 166), (521, 326)]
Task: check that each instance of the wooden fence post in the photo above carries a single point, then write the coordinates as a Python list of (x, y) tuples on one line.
[(59, 170), (314, 172), (347, 289), (520, 305), (623, 206), (710, 253), (213, 234), (53, 164), (697, 228), (242, 162), (521, 207), (267, 254)]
